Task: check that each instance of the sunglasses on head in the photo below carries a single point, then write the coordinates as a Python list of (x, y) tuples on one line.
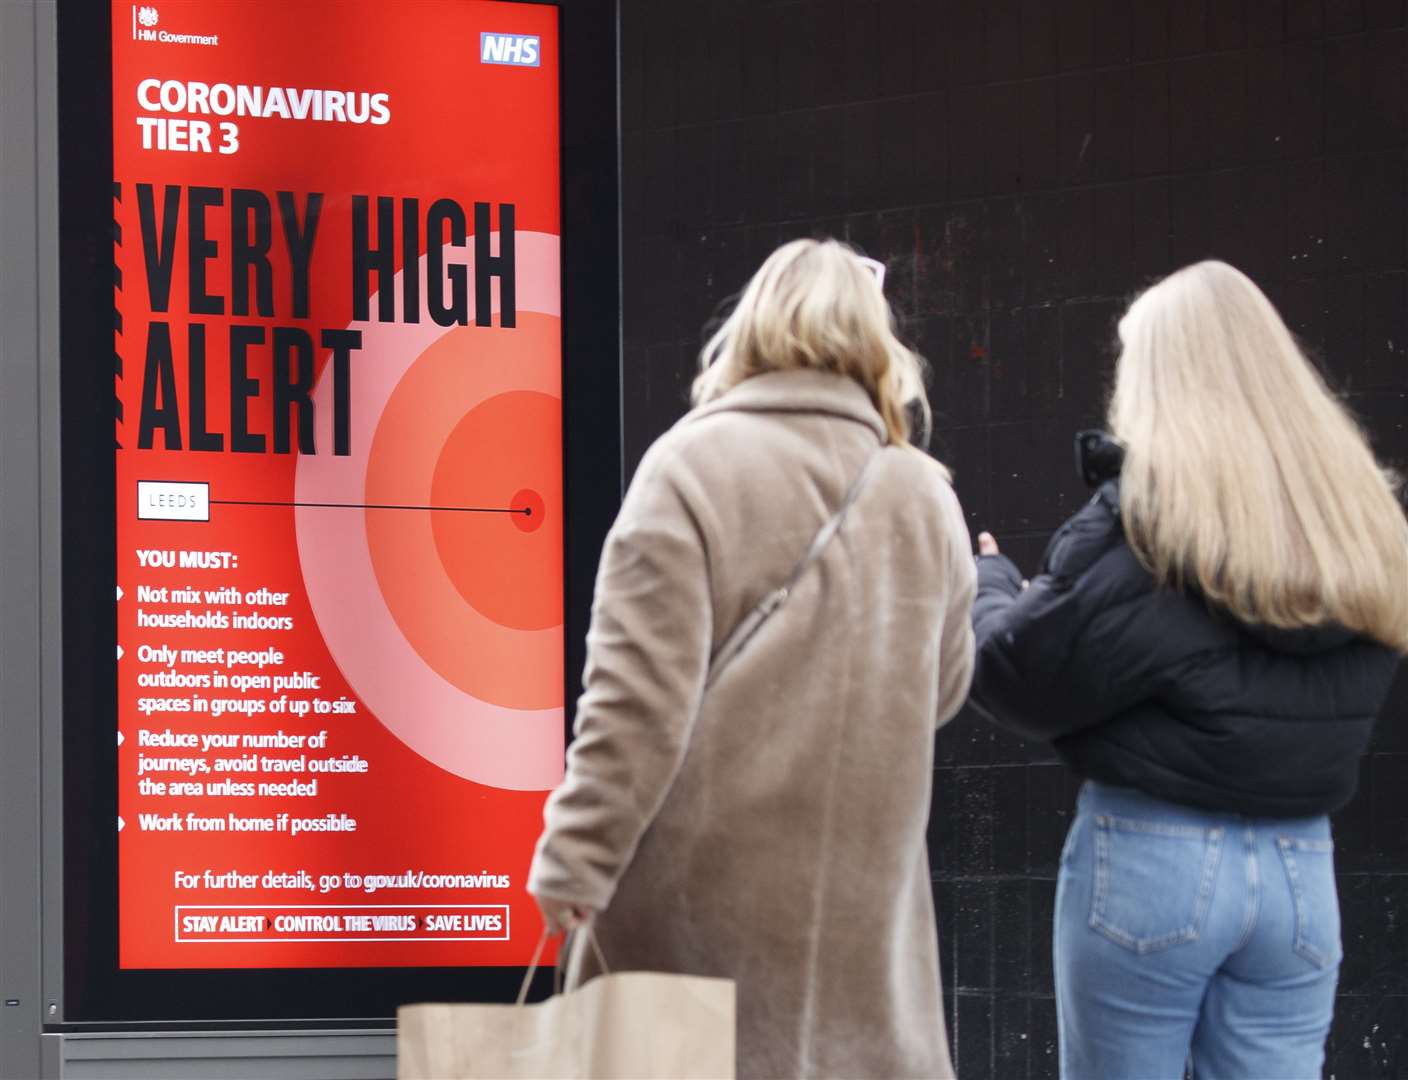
[(876, 267)]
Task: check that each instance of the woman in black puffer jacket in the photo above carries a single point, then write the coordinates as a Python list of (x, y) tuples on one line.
[(1209, 642)]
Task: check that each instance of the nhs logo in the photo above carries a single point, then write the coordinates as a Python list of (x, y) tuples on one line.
[(520, 50)]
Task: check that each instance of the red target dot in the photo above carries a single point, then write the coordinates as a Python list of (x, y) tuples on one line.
[(532, 510)]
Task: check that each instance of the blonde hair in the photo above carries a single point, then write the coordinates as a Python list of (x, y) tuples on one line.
[(815, 304), (1243, 475)]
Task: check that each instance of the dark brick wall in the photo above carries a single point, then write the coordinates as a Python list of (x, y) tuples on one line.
[(1023, 166)]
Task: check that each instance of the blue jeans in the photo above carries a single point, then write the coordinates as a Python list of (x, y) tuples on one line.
[(1183, 933)]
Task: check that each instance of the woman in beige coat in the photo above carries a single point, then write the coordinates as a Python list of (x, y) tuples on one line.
[(765, 820)]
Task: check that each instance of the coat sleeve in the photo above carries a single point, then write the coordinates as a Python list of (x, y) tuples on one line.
[(647, 656), (956, 646), (1076, 647)]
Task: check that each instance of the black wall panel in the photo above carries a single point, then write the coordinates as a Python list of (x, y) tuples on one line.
[(1024, 166)]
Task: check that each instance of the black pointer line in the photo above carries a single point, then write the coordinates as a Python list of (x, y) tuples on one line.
[(528, 511)]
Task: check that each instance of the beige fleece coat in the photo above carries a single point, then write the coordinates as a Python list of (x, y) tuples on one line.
[(772, 830)]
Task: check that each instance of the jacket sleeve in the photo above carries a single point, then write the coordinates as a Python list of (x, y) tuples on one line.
[(956, 648), (999, 585), (1073, 649), (647, 657)]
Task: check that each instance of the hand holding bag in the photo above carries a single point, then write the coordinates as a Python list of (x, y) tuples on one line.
[(635, 1025)]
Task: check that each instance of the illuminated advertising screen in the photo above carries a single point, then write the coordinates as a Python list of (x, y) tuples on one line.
[(339, 483)]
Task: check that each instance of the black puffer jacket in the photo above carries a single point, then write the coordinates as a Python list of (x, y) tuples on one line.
[(1152, 689)]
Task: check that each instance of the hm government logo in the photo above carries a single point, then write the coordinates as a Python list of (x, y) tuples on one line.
[(517, 50), (144, 20)]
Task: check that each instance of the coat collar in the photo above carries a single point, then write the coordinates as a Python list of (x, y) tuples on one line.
[(800, 391)]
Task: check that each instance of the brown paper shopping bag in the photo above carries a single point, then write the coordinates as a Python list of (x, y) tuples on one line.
[(634, 1024)]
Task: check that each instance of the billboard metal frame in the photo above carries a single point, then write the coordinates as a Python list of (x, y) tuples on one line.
[(44, 1028)]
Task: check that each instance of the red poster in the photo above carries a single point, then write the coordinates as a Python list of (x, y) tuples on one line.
[(339, 477)]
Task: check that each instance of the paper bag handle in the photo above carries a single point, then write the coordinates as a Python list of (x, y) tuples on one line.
[(562, 955)]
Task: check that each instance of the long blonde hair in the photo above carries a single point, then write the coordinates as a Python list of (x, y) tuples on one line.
[(815, 304), (1244, 476)]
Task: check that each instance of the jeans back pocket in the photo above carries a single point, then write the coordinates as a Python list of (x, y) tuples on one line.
[(1310, 871), (1153, 881)]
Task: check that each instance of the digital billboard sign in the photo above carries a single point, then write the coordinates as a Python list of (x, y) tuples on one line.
[(338, 486), (339, 479)]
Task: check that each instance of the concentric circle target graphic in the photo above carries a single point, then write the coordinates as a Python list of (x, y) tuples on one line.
[(447, 622)]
